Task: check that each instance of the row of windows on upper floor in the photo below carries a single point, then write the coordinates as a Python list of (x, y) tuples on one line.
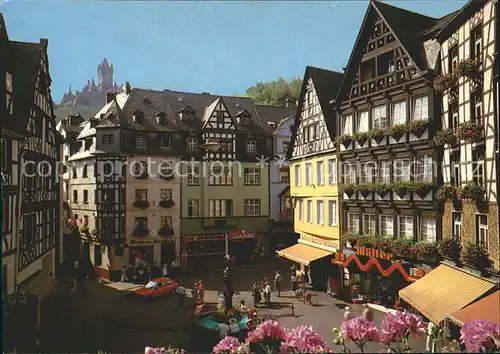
[(222, 208), (478, 170), (419, 228), (332, 211), (188, 116), (476, 48), (481, 229), (377, 117)]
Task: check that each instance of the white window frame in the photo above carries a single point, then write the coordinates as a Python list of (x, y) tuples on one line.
[(371, 221), (349, 173), (251, 177), (379, 117), (353, 222), (309, 174), (477, 99), (297, 175), (401, 169), (405, 225), (332, 213), (482, 232), (332, 171), (140, 141), (362, 122), (309, 211), (420, 108), (399, 113), (192, 143), (320, 173), (320, 212), (424, 168), (428, 232), (252, 207), (300, 210), (386, 220), (384, 172), (251, 146), (477, 41), (478, 167), (347, 125)]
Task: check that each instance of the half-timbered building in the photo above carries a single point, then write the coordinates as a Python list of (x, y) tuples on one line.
[(313, 171), (469, 61), (30, 194), (388, 115)]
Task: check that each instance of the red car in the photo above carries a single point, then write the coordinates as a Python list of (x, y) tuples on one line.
[(157, 287)]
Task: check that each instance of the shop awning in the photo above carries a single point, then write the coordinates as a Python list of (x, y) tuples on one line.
[(487, 308), (443, 291), (303, 254), (42, 285)]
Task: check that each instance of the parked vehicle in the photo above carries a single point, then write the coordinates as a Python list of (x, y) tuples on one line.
[(157, 287)]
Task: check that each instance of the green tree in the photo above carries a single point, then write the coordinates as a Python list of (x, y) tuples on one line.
[(275, 93)]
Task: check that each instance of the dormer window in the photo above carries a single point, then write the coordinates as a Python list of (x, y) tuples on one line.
[(220, 117), (161, 118), (138, 117), (244, 120), (166, 141), (140, 141), (187, 116), (192, 143)]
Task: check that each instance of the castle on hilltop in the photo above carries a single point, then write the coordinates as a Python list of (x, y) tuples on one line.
[(92, 95)]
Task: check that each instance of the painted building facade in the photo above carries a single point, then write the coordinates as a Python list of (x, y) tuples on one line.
[(313, 176)]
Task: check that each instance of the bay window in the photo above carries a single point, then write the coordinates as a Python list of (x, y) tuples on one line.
[(386, 225), (402, 170), (362, 122), (347, 125), (427, 229), (399, 113), (379, 117), (384, 172), (369, 224), (406, 227), (424, 168), (420, 109), (353, 223), (349, 173)]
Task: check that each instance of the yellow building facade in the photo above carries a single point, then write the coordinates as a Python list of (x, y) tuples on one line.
[(314, 177)]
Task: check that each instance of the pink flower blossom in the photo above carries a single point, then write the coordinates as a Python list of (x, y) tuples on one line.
[(304, 340), (359, 328), (396, 325), (265, 330), (228, 345), (153, 350), (475, 334)]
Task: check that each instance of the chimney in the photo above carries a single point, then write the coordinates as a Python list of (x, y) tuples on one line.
[(126, 88), (110, 96)]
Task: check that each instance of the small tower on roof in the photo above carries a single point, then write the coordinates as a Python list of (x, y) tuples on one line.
[(105, 75)]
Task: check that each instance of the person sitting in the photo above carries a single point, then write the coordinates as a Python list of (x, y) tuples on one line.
[(223, 330)]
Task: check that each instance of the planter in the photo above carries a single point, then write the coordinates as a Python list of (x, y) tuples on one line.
[(476, 256), (450, 248), (361, 138), (423, 188), (445, 137), (141, 204), (417, 127), (345, 140), (381, 189), (468, 68), (472, 192), (166, 231), (398, 131), (378, 135), (169, 203), (470, 131), (446, 193), (424, 250), (401, 191), (348, 189), (441, 83)]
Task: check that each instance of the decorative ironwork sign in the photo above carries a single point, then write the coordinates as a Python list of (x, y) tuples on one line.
[(149, 242)]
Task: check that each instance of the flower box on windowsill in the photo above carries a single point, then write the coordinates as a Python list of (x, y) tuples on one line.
[(397, 131), (476, 256), (470, 131), (166, 231), (472, 193), (169, 203), (348, 189), (141, 204), (444, 137), (378, 135), (140, 231), (417, 127), (446, 193), (345, 140), (361, 138)]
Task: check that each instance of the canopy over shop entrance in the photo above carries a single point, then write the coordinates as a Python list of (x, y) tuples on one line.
[(303, 254)]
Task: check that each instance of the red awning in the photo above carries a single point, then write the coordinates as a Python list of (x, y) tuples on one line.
[(488, 308)]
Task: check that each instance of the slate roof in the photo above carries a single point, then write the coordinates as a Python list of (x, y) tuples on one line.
[(459, 17), (274, 114), (171, 103), (326, 84)]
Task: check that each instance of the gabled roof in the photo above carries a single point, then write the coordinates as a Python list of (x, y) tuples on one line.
[(326, 84), (459, 17), (410, 29)]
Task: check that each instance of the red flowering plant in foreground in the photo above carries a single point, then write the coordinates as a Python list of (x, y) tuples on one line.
[(266, 338), (228, 345), (397, 328)]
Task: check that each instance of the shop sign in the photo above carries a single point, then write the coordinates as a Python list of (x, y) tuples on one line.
[(242, 235), (372, 252), (210, 237), (149, 242), (320, 241)]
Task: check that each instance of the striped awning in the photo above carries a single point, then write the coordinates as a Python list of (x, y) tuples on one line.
[(444, 291), (42, 285), (302, 253)]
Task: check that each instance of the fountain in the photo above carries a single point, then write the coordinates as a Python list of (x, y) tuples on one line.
[(207, 334)]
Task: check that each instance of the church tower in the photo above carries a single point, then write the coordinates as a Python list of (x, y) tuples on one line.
[(105, 75)]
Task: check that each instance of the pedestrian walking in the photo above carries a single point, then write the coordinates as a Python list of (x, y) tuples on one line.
[(267, 293), (367, 313), (234, 328), (164, 269), (347, 314), (181, 294), (195, 291), (223, 330), (294, 281), (123, 277), (257, 297), (277, 282)]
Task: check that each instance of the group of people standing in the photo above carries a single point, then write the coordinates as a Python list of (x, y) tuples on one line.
[(141, 273), (264, 290), (198, 291)]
